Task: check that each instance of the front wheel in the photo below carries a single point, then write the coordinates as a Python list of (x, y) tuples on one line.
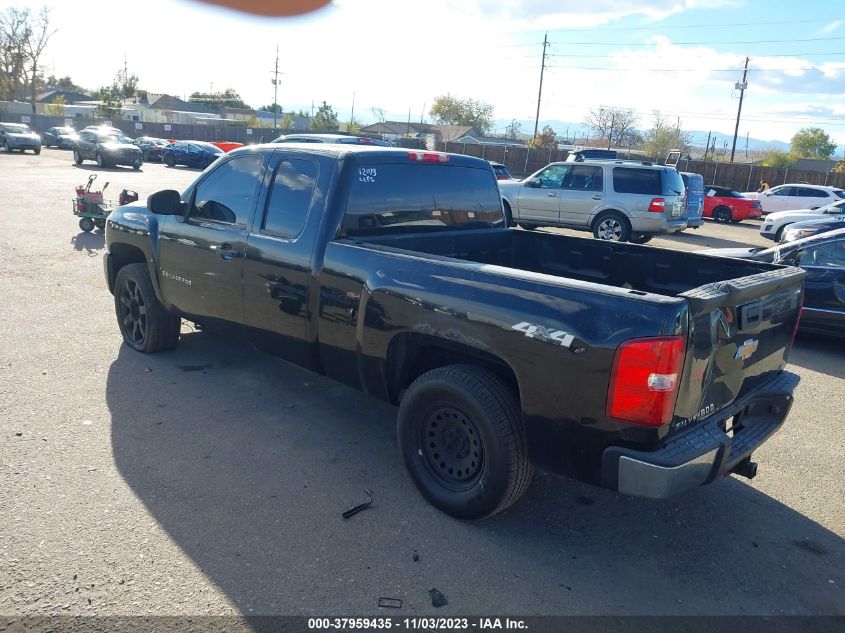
[(144, 323), (463, 441), (527, 227), (86, 224), (37, 151), (101, 162), (640, 238), (612, 227), (8, 147), (136, 165), (77, 157), (168, 160)]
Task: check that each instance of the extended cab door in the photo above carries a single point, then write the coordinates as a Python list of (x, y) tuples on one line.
[(202, 255), (582, 193), (824, 286), (539, 196), (277, 272)]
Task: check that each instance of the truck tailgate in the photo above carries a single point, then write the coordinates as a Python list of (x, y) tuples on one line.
[(740, 334)]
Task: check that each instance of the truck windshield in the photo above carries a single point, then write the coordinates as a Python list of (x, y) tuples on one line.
[(397, 198)]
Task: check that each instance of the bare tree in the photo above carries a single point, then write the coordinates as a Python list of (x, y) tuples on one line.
[(35, 45), (23, 38), (612, 124), (378, 113)]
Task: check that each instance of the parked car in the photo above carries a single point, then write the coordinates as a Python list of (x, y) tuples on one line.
[(330, 138), (694, 184), (726, 205), (151, 148), (191, 153), (19, 136), (800, 230), (394, 271), (616, 200), (60, 137), (822, 256), (799, 196), (107, 146), (591, 153), (227, 146), (500, 170), (775, 223)]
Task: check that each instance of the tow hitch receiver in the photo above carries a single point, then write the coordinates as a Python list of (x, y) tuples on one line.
[(746, 468)]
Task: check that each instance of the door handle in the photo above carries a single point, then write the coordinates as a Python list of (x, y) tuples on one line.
[(226, 252), (552, 195), (596, 197)]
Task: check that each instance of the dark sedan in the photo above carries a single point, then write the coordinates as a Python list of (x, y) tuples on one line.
[(191, 153), (823, 257), (61, 137), (106, 146), (799, 230), (152, 148), (19, 136)]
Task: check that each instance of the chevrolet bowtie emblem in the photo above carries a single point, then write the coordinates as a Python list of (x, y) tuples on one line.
[(745, 350)]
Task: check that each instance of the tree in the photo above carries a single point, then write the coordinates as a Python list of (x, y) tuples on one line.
[(547, 139), (62, 83), (271, 108), (777, 158), (378, 113), (110, 101), (353, 127), (325, 119), (812, 142), (287, 121), (613, 125), (128, 85), (839, 168), (23, 38), (513, 129), (663, 137), (449, 110), (229, 98), (57, 108)]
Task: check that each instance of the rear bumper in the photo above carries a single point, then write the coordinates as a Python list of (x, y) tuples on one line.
[(658, 224), (705, 452)]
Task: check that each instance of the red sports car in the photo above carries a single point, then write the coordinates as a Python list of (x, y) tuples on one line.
[(726, 205)]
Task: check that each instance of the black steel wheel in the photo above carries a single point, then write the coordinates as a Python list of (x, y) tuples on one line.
[(86, 224), (101, 162), (144, 323), (463, 441), (77, 157), (722, 214), (168, 160)]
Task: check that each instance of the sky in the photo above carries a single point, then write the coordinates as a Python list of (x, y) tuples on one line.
[(681, 57)]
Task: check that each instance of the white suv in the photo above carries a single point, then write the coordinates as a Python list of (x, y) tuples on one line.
[(798, 196), (775, 223)]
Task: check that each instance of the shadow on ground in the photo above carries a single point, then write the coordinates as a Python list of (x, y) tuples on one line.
[(823, 354), (248, 462), (92, 243)]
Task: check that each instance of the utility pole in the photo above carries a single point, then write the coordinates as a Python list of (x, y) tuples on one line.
[(540, 93), (746, 144), (352, 116), (707, 146), (276, 88), (741, 86)]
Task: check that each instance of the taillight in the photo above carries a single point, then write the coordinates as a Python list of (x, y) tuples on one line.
[(644, 380), (429, 157), (798, 317), (657, 205), (756, 205)]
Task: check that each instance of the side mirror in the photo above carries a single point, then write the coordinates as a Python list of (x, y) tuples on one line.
[(532, 183), (165, 202)]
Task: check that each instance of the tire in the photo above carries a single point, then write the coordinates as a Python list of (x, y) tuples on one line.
[(101, 162), (612, 226), (779, 233), (144, 323), (640, 238), (722, 214), (527, 227), (168, 160), (77, 157), (8, 147), (137, 165), (86, 224), (100, 223), (480, 423), (37, 151)]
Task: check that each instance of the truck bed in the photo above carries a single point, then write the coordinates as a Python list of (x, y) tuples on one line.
[(623, 265)]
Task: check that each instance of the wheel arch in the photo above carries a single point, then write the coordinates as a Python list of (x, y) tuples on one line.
[(594, 218), (119, 256)]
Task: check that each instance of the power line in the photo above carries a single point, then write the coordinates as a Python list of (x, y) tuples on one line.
[(709, 54), (677, 70), (711, 42), (719, 25)]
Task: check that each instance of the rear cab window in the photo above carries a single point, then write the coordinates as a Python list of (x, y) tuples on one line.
[(409, 198)]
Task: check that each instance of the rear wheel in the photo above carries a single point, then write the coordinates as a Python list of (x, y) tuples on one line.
[(144, 323), (722, 214), (612, 227), (136, 165), (168, 160), (100, 223), (101, 162), (527, 227), (86, 224), (463, 441), (8, 147), (37, 151)]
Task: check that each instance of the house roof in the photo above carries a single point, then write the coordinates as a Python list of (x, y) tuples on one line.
[(169, 102), (477, 139), (452, 132), (396, 127), (69, 95)]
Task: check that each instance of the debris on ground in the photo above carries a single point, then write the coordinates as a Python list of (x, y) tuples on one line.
[(18, 434), (148, 369), (361, 506), (390, 603), (415, 557), (437, 599)]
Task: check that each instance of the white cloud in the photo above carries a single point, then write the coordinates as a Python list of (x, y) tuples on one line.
[(831, 26)]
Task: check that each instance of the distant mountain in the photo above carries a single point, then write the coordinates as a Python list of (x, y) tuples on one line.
[(579, 131)]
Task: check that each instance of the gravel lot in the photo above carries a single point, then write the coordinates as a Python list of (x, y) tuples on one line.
[(210, 480)]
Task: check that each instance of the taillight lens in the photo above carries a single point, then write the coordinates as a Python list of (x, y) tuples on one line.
[(429, 157), (657, 205), (644, 380)]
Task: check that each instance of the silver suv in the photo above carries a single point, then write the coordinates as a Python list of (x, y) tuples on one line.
[(625, 201)]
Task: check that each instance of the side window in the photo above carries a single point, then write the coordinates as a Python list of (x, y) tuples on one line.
[(290, 197), (228, 193), (583, 178), (784, 191), (552, 177), (639, 181), (814, 193), (830, 254)]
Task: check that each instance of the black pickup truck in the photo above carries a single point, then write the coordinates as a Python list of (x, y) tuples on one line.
[(644, 370)]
